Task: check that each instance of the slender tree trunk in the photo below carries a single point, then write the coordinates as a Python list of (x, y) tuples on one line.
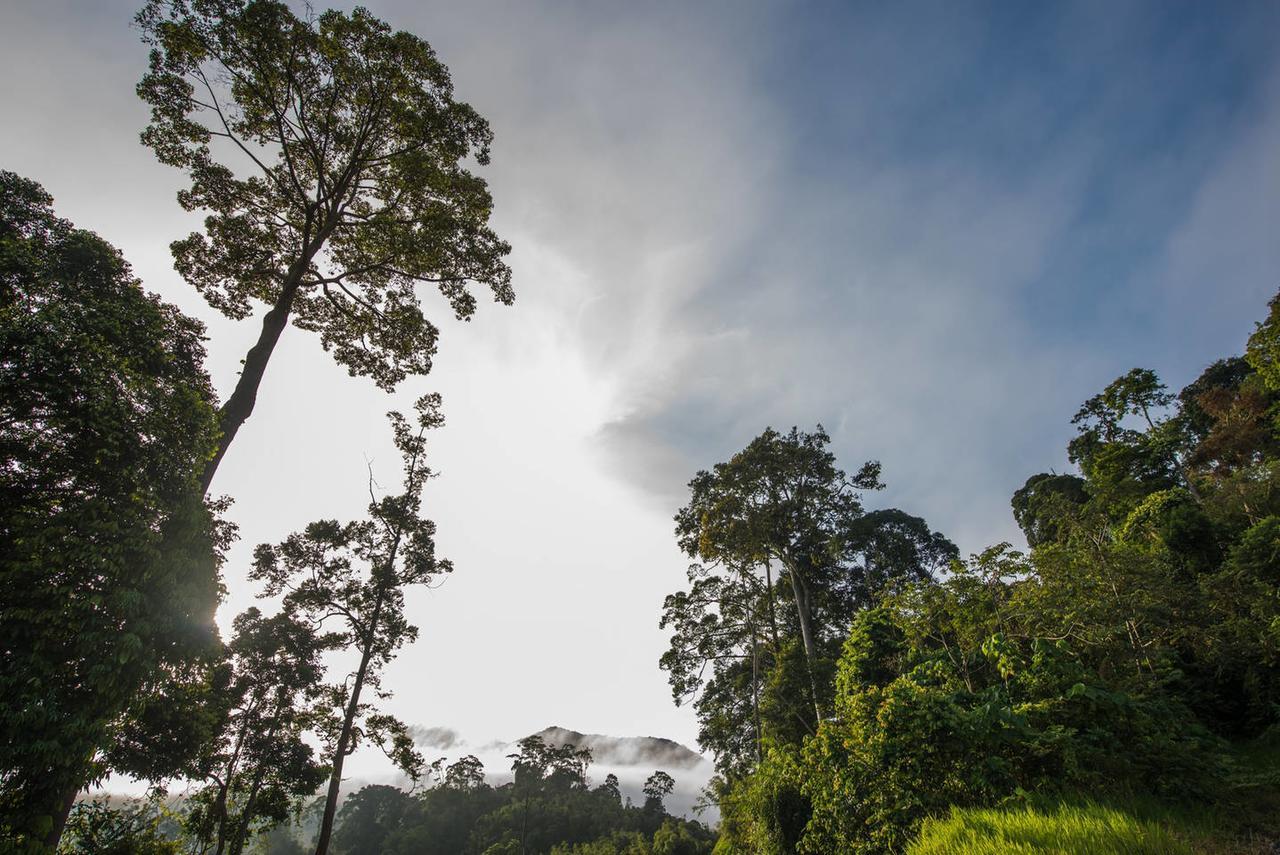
[(224, 786), (221, 807), (755, 685), (344, 739), (339, 755), (239, 406), (801, 593), (241, 834), (773, 617), (353, 705)]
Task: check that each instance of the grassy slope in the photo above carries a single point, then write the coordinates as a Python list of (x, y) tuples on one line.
[(1245, 821), (1090, 829)]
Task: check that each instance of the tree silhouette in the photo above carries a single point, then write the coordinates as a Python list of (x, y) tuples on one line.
[(328, 153), (354, 575)]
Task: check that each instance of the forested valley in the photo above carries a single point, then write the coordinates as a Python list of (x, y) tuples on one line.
[(861, 686)]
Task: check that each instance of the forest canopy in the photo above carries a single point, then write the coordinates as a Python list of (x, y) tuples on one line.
[(1132, 654)]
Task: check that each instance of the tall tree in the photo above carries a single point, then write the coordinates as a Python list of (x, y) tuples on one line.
[(781, 499), (329, 154), (657, 787), (259, 764), (724, 641), (355, 575), (108, 554), (1127, 443), (787, 557)]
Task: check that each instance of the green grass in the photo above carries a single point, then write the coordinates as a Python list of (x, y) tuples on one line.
[(1065, 830), (1243, 819)]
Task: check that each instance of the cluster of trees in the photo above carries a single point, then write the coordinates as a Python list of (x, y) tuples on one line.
[(330, 159), (1133, 653), (784, 555), (548, 808), (111, 568)]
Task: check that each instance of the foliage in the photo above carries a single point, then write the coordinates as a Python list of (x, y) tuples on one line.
[(656, 788), (1118, 659), (547, 808), (355, 574), (922, 725), (328, 153), (367, 818), (1042, 504), (766, 811), (786, 555), (1263, 352), (671, 838), (133, 828), (108, 555), (259, 764)]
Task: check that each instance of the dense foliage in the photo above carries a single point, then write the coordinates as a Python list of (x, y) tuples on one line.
[(548, 808), (108, 554), (1125, 654)]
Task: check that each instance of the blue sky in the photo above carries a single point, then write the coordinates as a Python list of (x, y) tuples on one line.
[(936, 228), (999, 202)]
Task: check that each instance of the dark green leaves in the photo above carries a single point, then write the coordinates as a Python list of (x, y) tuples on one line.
[(108, 555), (328, 152)]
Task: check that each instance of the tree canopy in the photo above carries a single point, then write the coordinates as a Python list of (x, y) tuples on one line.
[(108, 555), (330, 156), (786, 556), (1132, 654)]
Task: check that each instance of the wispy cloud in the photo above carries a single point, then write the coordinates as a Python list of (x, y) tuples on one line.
[(439, 738)]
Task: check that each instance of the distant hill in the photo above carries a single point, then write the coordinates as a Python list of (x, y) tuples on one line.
[(653, 752)]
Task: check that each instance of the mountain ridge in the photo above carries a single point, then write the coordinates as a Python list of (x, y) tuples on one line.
[(625, 750)]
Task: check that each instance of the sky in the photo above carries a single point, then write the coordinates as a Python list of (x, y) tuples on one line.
[(934, 228)]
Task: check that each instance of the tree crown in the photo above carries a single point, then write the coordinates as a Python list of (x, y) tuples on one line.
[(329, 154)]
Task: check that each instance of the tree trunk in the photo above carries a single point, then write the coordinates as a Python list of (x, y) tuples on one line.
[(224, 786), (339, 755), (241, 834), (344, 739), (239, 406), (353, 705), (221, 807), (66, 800), (755, 685), (801, 593), (773, 617)]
